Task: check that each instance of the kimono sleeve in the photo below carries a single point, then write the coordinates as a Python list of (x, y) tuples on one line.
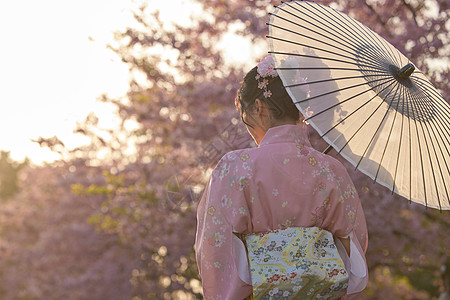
[(344, 213), (221, 212), (345, 218)]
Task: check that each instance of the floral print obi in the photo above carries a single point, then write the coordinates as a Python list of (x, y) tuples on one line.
[(283, 183), (296, 263)]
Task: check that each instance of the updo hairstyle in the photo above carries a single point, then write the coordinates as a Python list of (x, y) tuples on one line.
[(279, 102)]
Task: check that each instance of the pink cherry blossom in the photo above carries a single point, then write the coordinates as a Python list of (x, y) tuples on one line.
[(266, 67)]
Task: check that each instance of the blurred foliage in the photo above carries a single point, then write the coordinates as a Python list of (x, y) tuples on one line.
[(9, 175)]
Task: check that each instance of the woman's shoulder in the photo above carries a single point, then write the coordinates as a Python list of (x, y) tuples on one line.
[(236, 160), (244, 155), (333, 163)]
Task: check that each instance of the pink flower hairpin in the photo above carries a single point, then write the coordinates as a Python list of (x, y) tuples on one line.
[(266, 68)]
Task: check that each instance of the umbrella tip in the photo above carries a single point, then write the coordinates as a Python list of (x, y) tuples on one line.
[(406, 71)]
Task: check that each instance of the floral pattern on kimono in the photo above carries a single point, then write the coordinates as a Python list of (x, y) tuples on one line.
[(282, 183)]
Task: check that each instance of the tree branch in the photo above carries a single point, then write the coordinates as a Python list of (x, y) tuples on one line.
[(411, 9), (375, 12)]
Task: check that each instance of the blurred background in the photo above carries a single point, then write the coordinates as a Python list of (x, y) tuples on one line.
[(113, 114)]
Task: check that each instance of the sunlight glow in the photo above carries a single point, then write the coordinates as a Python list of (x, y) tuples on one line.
[(55, 63), (54, 66)]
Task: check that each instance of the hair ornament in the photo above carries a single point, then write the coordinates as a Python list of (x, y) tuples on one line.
[(263, 84), (266, 68)]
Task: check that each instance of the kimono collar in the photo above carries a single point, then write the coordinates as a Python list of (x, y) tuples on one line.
[(286, 134)]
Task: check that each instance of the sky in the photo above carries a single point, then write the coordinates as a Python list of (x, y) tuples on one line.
[(54, 64)]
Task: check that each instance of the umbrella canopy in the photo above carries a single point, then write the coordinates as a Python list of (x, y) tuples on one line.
[(365, 98)]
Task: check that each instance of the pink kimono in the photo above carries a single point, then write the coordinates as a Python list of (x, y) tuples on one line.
[(282, 183)]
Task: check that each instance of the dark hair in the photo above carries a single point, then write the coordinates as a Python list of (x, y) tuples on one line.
[(280, 103)]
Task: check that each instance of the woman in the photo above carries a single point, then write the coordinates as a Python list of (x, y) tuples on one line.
[(282, 183)]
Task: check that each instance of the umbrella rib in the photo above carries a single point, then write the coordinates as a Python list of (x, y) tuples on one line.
[(399, 146), (430, 89), (309, 29), (422, 104), (381, 102), (352, 97), (352, 21), (426, 82), (349, 30), (378, 128), (320, 41), (410, 153), (358, 38), (438, 113), (322, 68), (343, 120), (371, 63), (354, 134), (371, 34), (387, 51), (318, 20), (441, 113), (325, 58), (442, 130), (440, 110), (429, 155), (308, 37), (329, 79), (420, 152), (442, 103), (390, 131), (335, 91), (436, 154)]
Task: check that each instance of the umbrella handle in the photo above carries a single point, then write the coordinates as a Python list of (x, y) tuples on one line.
[(327, 149)]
